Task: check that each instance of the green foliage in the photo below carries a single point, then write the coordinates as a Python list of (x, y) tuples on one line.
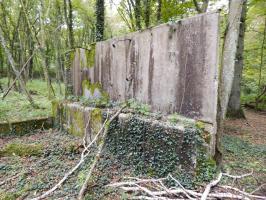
[(91, 55), (240, 157), (101, 102), (15, 107), (22, 150), (241, 148), (8, 195), (176, 118), (173, 118), (175, 10), (147, 147), (254, 63), (138, 107)]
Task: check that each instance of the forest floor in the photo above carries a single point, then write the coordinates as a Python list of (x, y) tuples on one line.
[(32, 164), (16, 107), (244, 146)]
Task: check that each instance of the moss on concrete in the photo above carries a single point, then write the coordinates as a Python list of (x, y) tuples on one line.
[(78, 125), (24, 127), (87, 85), (90, 55), (96, 120), (94, 93), (22, 150)]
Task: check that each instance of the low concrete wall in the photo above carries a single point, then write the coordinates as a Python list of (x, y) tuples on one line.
[(24, 127), (144, 139)]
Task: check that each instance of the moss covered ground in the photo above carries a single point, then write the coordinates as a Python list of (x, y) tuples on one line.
[(35, 162), (16, 107), (44, 157), (244, 147)]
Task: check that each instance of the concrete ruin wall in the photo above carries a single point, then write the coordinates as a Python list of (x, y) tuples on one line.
[(173, 67), (144, 144)]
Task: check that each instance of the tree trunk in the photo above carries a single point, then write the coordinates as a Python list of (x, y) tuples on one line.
[(99, 20), (70, 26), (147, 13), (159, 11), (234, 105), (261, 65), (229, 53), (137, 11), (203, 8), (69, 22)]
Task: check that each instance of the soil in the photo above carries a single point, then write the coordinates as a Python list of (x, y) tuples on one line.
[(253, 128)]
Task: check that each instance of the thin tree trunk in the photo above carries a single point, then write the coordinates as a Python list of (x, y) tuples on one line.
[(234, 105), (41, 48), (261, 62), (137, 11), (69, 21), (159, 11), (147, 13), (70, 27), (99, 20)]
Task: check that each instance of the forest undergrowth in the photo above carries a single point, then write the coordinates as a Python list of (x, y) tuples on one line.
[(27, 173)]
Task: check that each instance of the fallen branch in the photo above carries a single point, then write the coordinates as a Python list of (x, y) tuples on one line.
[(242, 192), (181, 186), (257, 189), (238, 176), (119, 184), (181, 192), (154, 189), (97, 157), (84, 154), (209, 186)]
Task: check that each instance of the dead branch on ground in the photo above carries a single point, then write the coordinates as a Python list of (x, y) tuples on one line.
[(83, 156), (155, 189), (97, 156)]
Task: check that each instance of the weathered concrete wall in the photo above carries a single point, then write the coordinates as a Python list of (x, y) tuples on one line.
[(172, 67), (154, 146)]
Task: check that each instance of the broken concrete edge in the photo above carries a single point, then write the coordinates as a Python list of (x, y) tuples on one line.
[(19, 128), (190, 138)]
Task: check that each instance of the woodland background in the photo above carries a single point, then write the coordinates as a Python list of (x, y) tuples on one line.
[(38, 35)]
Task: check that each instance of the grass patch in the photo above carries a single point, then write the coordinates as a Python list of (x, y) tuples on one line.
[(21, 150), (16, 107)]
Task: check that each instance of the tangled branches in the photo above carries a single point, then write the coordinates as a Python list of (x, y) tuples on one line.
[(156, 189)]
